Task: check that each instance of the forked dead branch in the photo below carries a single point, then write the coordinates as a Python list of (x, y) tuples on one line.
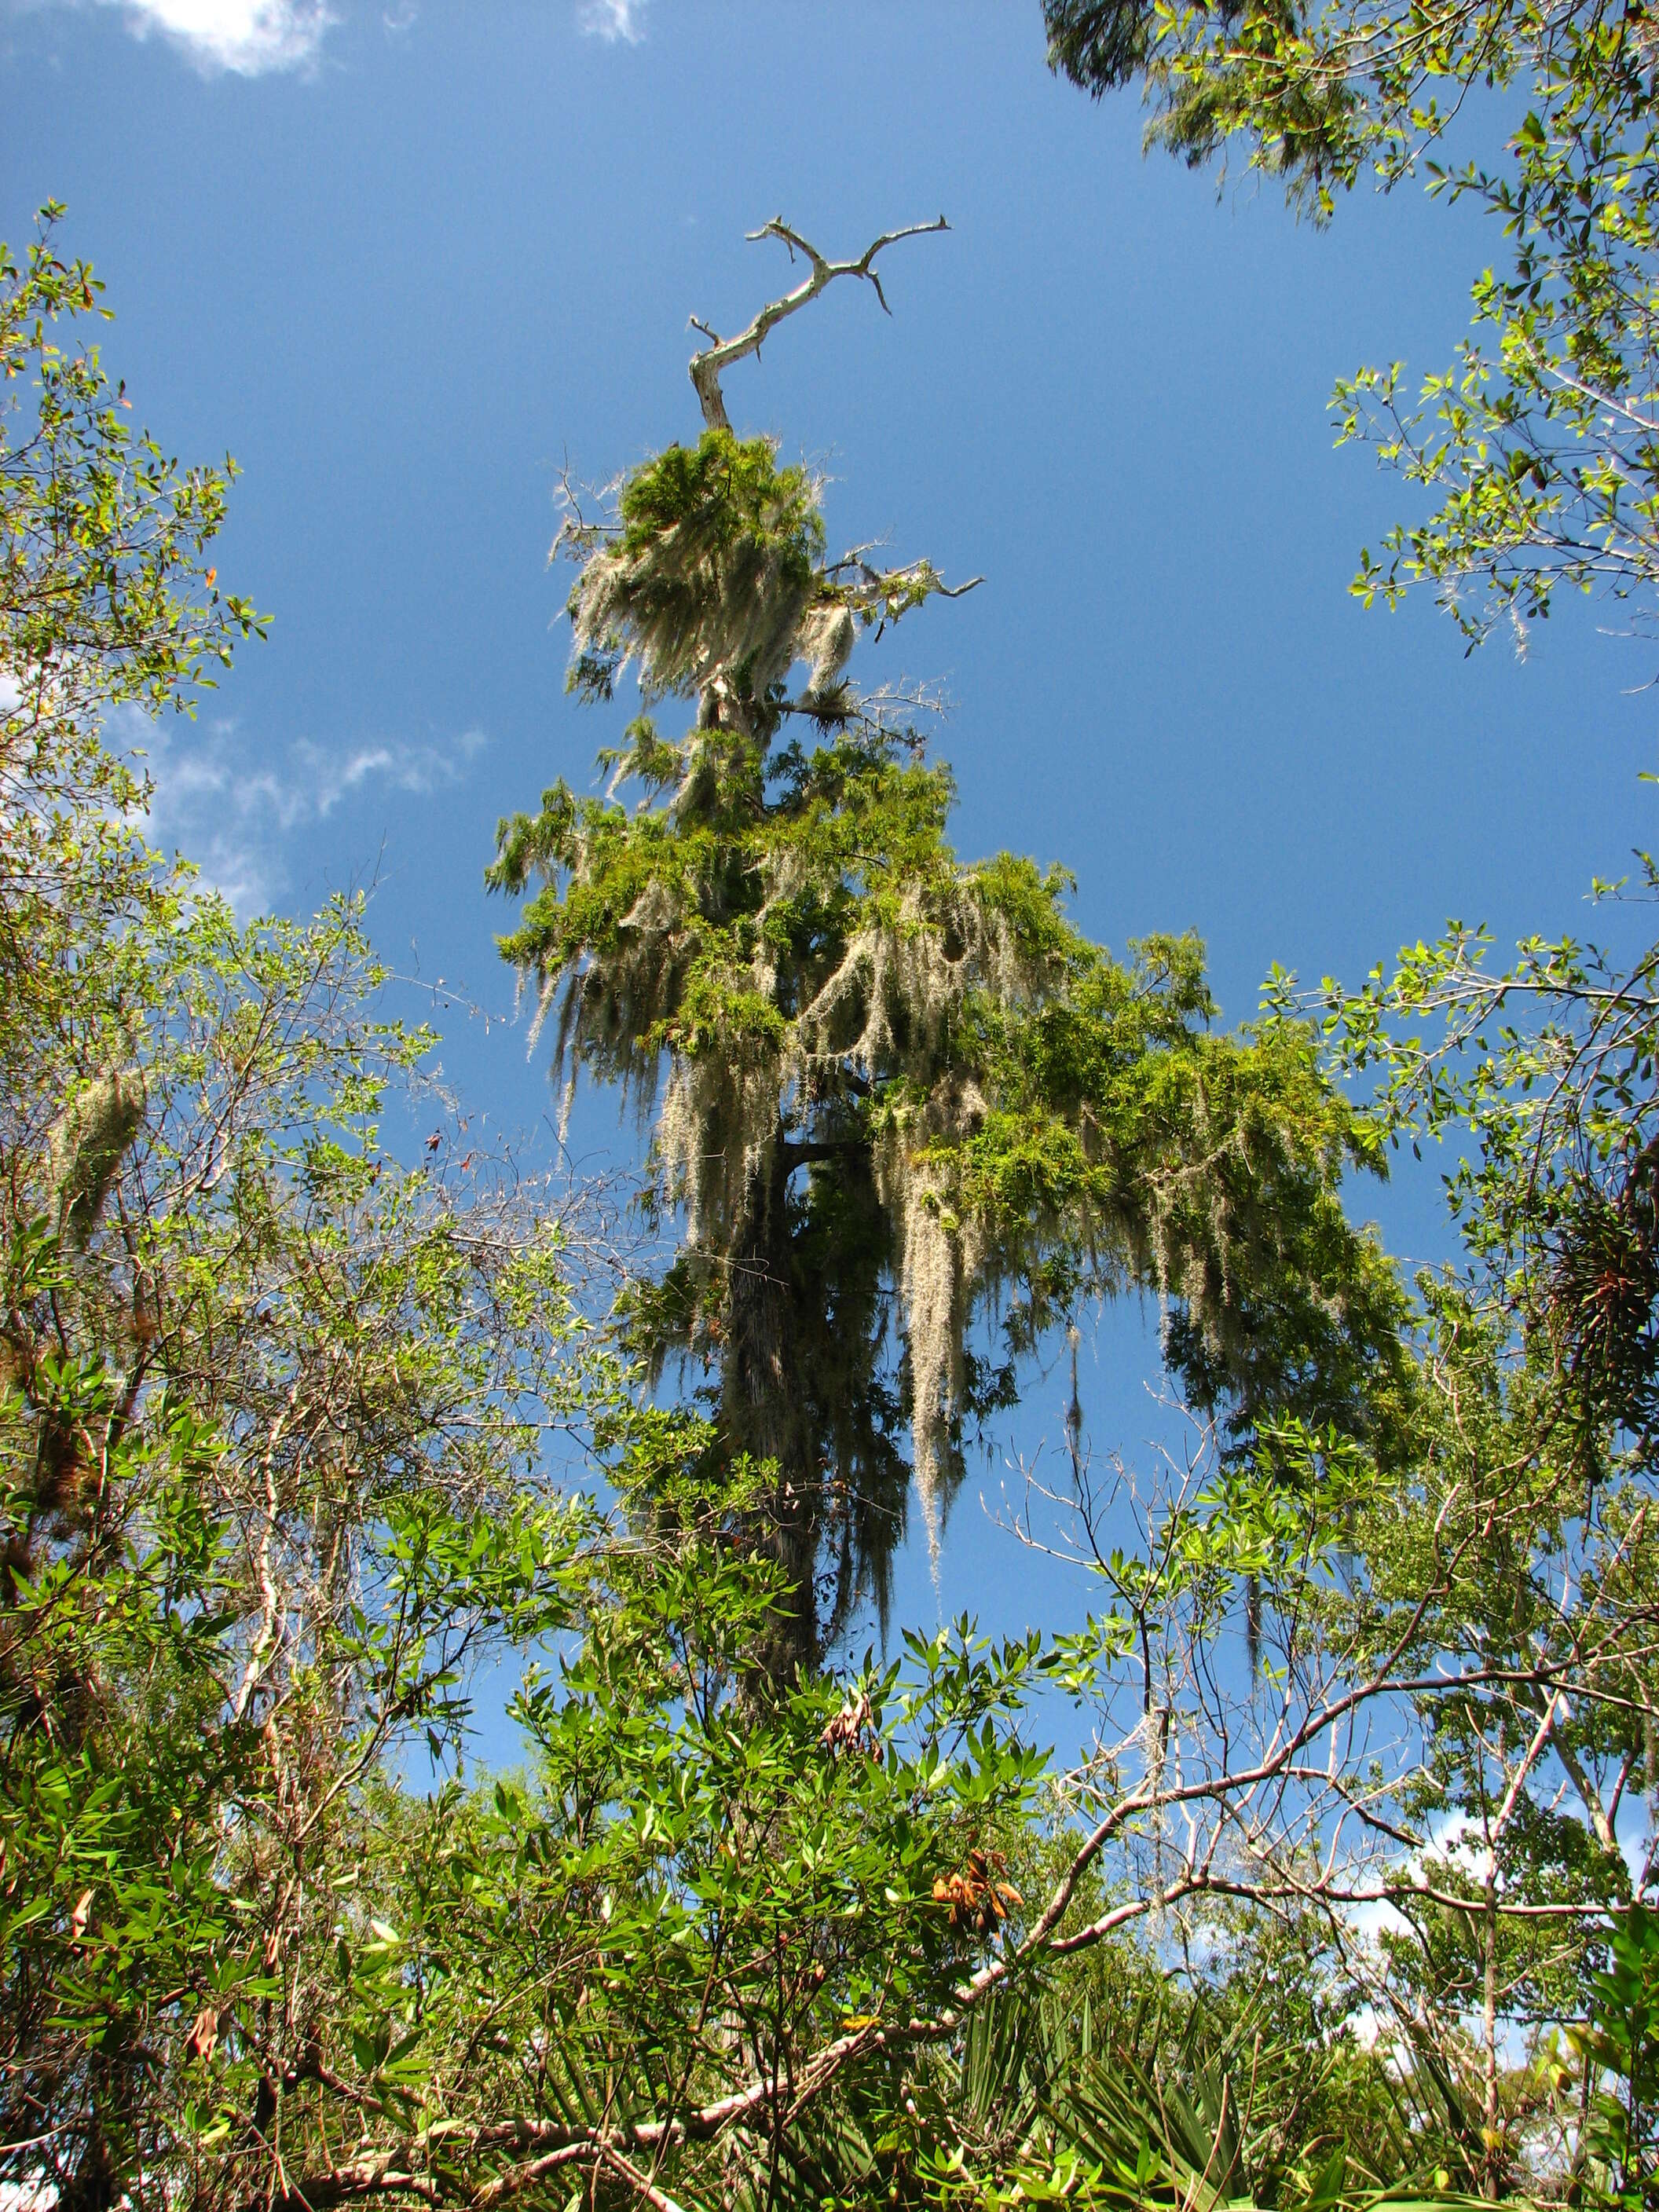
[(720, 353)]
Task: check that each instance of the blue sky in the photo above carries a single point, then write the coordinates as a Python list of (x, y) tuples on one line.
[(403, 258)]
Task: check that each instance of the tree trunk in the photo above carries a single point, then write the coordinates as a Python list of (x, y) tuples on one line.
[(762, 1415)]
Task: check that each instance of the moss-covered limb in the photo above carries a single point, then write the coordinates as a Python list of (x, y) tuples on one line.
[(709, 578), (712, 580), (839, 1023), (86, 1144)]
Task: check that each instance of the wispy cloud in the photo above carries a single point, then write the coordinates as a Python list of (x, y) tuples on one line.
[(612, 20), (236, 812), (248, 37)]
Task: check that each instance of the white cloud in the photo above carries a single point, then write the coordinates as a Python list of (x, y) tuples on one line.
[(421, 769), (249, 37), (612, 20), (233, 811)]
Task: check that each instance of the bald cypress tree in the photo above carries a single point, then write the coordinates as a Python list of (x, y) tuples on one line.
[(889, 1091)]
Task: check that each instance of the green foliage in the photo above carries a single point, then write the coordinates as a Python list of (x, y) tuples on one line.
[(1533, 1469), (888, 1087), (267, 1410), (1503, 1562), (1125, 2088), (100, 528), (1536, 447), (267, 1401), (707, 577), (1548, 1067), (1315, 94), (1622, 2134)]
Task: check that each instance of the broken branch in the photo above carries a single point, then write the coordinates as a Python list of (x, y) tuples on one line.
[(706, 367)]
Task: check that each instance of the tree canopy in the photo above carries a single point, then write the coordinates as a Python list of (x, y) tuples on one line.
[(890, 1090)]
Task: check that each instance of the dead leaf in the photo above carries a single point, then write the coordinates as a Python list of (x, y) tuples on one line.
[(205, 2033)]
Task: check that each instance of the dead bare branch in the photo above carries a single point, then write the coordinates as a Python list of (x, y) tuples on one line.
[(707, 366)]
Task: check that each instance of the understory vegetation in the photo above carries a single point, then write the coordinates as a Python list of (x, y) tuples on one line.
[(305, 1429)]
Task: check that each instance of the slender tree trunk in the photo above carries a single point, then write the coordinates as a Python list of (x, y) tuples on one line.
[(761, 1410), (1491, 2128)]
